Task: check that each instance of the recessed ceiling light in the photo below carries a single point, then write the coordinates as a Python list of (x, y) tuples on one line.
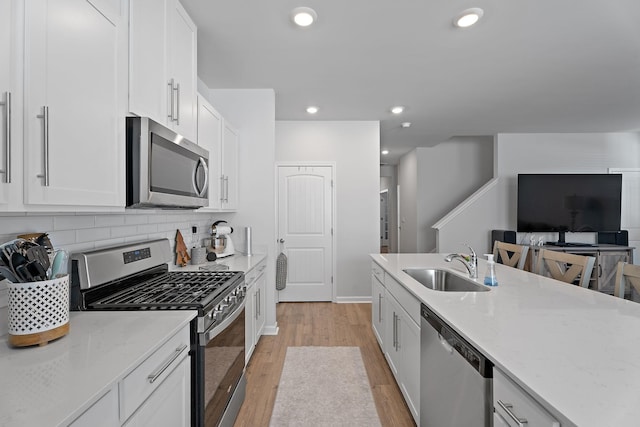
[(468, 17), (312, 110), (405, 124), (303, 16), (397, 110), (385, 152)]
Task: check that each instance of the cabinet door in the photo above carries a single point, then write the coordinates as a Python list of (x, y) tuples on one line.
[(261, 288), (250, 321), (210, 138), (182, 37), (378, 313), (170, 404), (103, 413), (74, 132), (606, 268), (392, 335), (148, 82), (7, 62), (230, 167), (410, 371)]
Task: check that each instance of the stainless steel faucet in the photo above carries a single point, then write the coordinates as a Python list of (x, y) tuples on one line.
[(471, 264)]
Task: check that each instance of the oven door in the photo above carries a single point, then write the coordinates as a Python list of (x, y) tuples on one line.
[(222, 355)]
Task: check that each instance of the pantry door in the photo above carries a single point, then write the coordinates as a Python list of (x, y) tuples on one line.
[(305, 231)]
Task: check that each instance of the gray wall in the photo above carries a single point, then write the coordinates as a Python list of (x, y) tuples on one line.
[(354, 147), (388, 181), (407, 199)]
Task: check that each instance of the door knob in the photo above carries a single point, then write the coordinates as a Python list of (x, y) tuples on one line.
[(281, 240)]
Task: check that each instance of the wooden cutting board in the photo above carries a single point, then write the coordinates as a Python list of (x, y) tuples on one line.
[(182, 254)]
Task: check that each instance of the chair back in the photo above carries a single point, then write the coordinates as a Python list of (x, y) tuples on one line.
[(565, 267), (627, 274), (510, 254)]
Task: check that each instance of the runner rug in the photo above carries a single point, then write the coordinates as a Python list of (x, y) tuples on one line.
[(324, 386)]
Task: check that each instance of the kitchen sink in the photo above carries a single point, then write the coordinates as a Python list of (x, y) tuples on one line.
[(442, 280)]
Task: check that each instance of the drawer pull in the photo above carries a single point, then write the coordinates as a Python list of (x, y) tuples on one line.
[(521, 422), (156, 374)]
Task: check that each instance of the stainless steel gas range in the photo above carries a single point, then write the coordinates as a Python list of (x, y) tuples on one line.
[(136, 277)]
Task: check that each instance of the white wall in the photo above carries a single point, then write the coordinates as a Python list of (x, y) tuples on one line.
[(540, 153), (408, 182), (388, 181), (354, 148), (252, 112), (435, 180)]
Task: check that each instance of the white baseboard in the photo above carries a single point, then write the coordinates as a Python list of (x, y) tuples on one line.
[(271, 329), (353, 300)]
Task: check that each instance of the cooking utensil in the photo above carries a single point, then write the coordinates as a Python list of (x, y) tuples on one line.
[(39, 253), (60, 264), (37, 271), (8, 274), (17, 263)]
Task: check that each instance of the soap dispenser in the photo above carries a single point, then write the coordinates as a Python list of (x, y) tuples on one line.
[(490, 275)]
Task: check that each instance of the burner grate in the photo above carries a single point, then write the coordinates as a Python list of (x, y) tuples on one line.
[(173, 289)]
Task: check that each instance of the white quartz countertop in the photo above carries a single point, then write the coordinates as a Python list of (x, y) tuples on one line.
[(53, 384), (575, 350), (235, 262)]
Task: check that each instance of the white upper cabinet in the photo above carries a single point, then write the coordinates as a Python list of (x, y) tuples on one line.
[(230, 167), (74, 111), (7, 100), (163, 65), (221, 139)]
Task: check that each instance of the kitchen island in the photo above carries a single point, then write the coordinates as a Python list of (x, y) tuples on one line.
[(574, 350)]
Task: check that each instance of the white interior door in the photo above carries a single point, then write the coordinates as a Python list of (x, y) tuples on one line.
[(305, 231)]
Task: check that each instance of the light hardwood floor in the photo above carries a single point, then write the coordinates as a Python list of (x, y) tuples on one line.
[(320, 324)]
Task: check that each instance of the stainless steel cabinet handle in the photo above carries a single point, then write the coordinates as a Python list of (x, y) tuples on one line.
[(255, 301), (395, 331), (178, 104), (521, 422), (155, 374), (171, 102), (226, 186), (259, 301), (7, 143), (45, 135), (379, 308), (222, 188)]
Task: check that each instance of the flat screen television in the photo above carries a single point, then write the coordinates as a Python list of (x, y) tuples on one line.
[(569, 202)]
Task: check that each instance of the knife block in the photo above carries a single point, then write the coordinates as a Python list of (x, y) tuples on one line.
[(38, 311)]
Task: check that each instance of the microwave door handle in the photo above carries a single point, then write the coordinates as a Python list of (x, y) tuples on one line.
[(201, 163)]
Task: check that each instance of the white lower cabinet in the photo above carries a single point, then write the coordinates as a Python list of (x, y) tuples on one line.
[(169, 404), (255, 306), (378, 309), (157, 392), (103, 413), (395, 313), (515, 407)]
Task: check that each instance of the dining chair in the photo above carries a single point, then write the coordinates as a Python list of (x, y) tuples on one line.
[(626, 274), (510, 254), (565, 267)]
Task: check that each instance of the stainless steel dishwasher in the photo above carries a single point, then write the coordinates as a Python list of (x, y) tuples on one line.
[(455, 378)]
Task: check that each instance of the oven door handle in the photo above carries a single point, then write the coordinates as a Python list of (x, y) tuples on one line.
[(216, 328)]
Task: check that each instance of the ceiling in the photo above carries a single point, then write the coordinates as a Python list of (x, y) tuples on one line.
[(527, 66)]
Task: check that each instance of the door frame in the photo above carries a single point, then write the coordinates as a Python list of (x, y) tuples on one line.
[(332, 165)]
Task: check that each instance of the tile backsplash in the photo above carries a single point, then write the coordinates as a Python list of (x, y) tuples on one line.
[(82, 231), (78, 232)]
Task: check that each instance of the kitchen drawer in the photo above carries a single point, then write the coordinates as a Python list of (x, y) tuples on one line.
[(509, 397), (254, 273), (404, 297), (144, 379), (377, 271)]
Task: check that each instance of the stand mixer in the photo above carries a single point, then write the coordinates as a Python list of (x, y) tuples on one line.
[(220, 240)]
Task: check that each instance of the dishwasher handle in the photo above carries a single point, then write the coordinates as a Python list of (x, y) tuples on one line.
[(452, 341)]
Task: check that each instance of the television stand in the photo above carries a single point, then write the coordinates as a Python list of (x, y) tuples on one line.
[(571, 244)]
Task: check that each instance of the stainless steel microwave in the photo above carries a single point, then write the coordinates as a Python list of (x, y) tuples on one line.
[(164, 170)]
